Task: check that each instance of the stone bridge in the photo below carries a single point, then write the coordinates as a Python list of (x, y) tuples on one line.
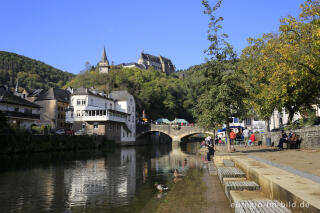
[(174, 131)]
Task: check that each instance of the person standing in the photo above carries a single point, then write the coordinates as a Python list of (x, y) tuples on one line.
[(232, 137), (252, 138), (210, 151)]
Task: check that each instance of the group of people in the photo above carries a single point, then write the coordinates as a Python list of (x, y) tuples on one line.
[(208, 142), (248, 137), (291, 138)]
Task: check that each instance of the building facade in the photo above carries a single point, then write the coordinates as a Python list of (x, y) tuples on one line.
[(157, 62), (94, 112), (17, 110), (54, 102), (280, 118)]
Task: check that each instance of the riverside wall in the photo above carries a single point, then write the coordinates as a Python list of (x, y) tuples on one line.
[(310, 137), (27, 143)]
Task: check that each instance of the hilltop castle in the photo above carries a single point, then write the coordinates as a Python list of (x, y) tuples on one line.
[(144, 62)]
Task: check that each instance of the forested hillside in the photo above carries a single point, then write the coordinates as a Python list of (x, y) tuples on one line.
[(32, 74), (158, 94)]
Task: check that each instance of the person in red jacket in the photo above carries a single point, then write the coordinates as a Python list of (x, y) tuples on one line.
[(232, 136), (252, 138)]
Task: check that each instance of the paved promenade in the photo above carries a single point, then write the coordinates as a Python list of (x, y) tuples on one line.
[(305, 163)]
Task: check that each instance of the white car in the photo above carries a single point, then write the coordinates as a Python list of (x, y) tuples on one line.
[(80, 132), (60, 132)]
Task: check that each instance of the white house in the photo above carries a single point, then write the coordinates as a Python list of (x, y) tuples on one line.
[(278, 119), (249, 123), (124, 102), (94, 112)]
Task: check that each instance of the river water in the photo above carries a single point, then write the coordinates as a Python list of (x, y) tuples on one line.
[(121, 180)]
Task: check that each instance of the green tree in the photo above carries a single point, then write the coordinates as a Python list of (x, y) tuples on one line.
[(282, 69), (222, 97)]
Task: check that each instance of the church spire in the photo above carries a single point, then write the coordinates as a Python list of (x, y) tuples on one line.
[(104, 58), (104, 63)]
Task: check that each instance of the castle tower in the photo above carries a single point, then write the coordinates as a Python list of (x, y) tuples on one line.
[(104, 63)]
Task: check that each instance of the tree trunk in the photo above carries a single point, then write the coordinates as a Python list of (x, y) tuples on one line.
[(228, 137), (290, 117)]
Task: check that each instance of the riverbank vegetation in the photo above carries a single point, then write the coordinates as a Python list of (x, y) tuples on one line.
[(279, 70)]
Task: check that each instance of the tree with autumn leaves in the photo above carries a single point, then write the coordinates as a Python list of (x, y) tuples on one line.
[(282, 70)]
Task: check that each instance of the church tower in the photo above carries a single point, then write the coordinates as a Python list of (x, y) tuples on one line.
[(104, 63)]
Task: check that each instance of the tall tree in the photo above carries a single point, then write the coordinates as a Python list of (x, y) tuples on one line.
[(222, 97), (283, 68)]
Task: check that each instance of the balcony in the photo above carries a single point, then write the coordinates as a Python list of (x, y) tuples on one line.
[(96, 115), (21, 115)]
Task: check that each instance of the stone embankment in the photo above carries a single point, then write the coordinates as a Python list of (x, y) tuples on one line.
[(253, 185), (27, 143)]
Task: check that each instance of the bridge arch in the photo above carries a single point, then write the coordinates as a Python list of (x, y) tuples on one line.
[(148, 134), (176, 133)]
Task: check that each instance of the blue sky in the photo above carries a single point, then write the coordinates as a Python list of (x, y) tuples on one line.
[(67, 33)]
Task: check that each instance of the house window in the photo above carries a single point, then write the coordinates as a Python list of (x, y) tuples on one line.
[(78, 102), (95, 125), (78, 113), (83, 101), (83, 125), (28, 111), (124, 135), (248, 121)]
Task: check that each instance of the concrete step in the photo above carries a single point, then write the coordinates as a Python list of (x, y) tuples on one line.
[(212, 169), (239, 185), (260, 206), (255, 197), (228, 163), (281, 185), (230, 172)]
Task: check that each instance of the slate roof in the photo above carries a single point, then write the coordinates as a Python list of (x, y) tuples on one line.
[(150, 57), (54, 94), (120, 95), (104, 58), (9, 98), (141, 66), (35, 93), (88, 91)]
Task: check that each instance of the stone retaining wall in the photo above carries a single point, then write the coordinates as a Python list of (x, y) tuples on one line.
[(310, 137)]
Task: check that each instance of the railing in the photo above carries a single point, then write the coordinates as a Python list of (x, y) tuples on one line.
[(96, 118), (21, 115)]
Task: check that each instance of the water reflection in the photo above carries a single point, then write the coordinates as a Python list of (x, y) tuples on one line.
[(120, 181)]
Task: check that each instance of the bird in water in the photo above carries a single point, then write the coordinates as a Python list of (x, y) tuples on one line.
[(161, 187)]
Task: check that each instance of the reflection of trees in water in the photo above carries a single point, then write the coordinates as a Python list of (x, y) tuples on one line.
[(190, 147), (106, 180)]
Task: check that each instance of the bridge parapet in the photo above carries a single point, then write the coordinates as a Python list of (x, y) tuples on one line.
[(174, 131)]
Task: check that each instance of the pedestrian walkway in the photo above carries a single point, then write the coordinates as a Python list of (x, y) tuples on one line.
[(309, 176)]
